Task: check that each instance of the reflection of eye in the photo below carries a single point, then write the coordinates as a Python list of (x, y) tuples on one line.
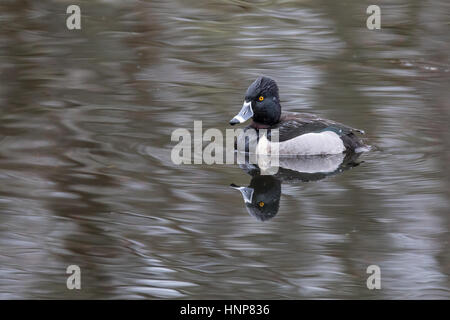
[(261, 98), (261, 204)]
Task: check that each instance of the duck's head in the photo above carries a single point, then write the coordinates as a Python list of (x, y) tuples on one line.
[(261, 103)]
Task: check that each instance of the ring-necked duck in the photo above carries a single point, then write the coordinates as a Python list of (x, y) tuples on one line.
[(299, 133)]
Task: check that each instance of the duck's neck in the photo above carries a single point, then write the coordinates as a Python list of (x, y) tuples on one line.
[(258, 125)]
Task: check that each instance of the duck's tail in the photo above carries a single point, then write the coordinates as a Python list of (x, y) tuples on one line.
[(353, 143)]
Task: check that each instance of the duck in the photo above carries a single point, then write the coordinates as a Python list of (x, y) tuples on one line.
[(297, 133)]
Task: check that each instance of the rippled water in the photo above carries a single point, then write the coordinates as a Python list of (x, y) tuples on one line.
[(86, 176)]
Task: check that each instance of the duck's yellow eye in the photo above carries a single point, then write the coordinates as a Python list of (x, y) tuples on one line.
[(261, 98), (261, 204)]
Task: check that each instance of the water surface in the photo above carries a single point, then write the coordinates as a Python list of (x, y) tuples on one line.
[(86, 176)]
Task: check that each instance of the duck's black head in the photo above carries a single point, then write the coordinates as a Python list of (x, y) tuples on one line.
[(262, 103)]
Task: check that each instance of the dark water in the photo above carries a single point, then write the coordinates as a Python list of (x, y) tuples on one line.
[(86, 176)]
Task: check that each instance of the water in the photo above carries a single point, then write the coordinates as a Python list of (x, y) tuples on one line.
[(85, 170)]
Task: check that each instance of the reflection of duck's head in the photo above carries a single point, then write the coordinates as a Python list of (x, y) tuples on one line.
[(262, 196)]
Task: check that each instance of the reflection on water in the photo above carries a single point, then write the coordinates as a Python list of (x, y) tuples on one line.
[(85, 170), (262, 196)]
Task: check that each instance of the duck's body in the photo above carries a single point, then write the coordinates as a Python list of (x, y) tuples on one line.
[(304, 134), (298, 133)]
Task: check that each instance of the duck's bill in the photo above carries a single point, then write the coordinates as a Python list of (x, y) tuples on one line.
[(243, 115), (247, 193)]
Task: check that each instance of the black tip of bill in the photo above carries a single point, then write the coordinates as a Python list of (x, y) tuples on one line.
[(234, 121)]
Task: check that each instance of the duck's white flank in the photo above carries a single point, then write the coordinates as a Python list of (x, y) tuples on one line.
[(322, 143), (313, 164)]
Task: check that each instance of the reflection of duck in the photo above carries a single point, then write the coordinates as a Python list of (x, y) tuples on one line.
[(298, 133), (262, 196)]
